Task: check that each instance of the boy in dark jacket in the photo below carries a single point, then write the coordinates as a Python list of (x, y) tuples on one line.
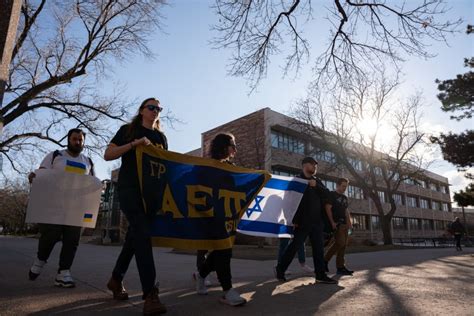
[(458, 230), (308, 221)]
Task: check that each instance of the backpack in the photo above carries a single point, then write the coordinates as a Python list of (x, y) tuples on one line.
[(57, 153)]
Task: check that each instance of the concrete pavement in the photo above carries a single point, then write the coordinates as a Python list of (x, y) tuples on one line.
[(397, 282)]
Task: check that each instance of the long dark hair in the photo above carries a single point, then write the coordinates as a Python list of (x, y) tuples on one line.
[(138, 120), (220, 145)]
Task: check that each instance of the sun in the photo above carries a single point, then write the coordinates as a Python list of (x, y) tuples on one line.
[(367, 127)]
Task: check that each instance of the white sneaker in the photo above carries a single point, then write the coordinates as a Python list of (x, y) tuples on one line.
[(233, 298), (200, 284), (64, 279), (207, 280), (36, 269), (306, 268)]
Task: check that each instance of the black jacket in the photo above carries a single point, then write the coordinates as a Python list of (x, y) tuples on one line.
[(311, 209), (457, 227)]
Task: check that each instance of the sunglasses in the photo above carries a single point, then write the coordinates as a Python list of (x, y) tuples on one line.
[(152, 107)]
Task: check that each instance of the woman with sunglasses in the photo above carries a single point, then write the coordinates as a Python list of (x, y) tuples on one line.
[(223, 148), (144, 129)]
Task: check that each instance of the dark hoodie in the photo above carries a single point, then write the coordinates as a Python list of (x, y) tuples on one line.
[(311, 208)]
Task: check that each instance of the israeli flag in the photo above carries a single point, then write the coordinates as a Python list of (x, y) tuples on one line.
[(271, 212)]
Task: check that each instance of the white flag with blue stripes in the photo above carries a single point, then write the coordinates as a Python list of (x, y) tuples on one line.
[(272, 211)]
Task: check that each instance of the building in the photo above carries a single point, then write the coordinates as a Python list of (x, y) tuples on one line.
[(267, 140)]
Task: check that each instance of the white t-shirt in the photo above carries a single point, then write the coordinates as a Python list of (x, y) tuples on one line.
[(63, 161)]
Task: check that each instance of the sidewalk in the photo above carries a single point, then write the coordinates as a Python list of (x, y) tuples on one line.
[(408, 282)]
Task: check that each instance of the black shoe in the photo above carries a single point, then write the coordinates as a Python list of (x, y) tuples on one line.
[(326, 267), (279, 274), (344, 271), (323, 278)]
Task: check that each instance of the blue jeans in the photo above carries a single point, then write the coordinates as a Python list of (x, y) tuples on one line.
[(284, 244)]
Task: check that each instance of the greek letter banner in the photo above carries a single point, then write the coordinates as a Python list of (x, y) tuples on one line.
[(198, 202)]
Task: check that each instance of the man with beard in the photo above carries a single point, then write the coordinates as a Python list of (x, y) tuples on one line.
[(69, 160)]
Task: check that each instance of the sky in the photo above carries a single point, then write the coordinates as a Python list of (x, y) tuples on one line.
[(190, 78)]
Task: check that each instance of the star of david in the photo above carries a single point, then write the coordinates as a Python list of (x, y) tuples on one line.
[(256, 207)]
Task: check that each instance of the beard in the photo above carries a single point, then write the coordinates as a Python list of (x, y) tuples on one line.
[(74, 149)]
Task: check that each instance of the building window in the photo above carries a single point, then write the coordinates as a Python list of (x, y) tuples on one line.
[(421, 183), (415, 223), (399, 223), (424, 203), (444, 189), (381, 196), (287, 173), (375, 221), (356, 163), (396, 176), (436, 205), (287, 142), (359, 222), (354, 192), (428, 224), (433, 186), (397, 198), (440, 225), (331, 185), (411, 201), (378, 171), (445, 207), (324, 155), (409, 181)]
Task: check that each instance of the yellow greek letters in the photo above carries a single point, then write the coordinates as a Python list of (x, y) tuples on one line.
[(228, 196), (194, 200), (169, 205), (157, 169)]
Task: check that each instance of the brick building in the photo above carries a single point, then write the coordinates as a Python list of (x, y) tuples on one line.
[(267, 140)]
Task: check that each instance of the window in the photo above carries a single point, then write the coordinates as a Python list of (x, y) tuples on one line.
[(359, 222), (440, 225), (445, 207), (397, 198), (325, 155), (396, 176), (444, 189), (331, 185), (421, 183), (356, 163), (381, 196), (436, 205), (287, 142), (409, 181), (415, 223), (378, 171), (375, 221), (287, 173), (433, 186), (399, 223), (354, 192), (424, 203), (428, 224), (411, 201)]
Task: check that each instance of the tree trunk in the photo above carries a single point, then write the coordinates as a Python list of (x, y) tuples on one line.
[(386, 230)]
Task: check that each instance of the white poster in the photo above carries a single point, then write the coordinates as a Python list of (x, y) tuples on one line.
[(58, 197)]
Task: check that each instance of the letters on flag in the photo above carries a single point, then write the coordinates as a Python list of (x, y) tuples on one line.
[(64, 198), (272, 211), (197, 201)]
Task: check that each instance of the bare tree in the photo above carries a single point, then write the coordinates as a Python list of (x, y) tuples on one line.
[(62, 55), (13, 204), (379, 158), (362, 34)]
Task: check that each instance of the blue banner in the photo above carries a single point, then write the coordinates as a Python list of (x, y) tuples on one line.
[(196, 202)]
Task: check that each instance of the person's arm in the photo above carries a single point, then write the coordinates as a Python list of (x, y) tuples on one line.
[(113, 151), (348, 219), (328, 208)]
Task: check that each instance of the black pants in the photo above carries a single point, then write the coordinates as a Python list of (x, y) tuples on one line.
[(51, 234), (457, 237), (315, 234), (219, 261), (200, 258), (137, 241)]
